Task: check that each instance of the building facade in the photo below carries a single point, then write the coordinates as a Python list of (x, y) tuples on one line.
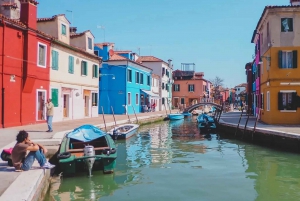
[(249, 75), (125, 85), (155, 88), (165, 70), (74, 70), (24, 70), (279, 73)]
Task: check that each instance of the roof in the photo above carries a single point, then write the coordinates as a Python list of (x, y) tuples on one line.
[(179, 73), (149, 59), (242, 85), (123, 51), (74, 35), (117, 57), (273, 7), (12, 5), (15, 22), (100, 45), (47, 19)]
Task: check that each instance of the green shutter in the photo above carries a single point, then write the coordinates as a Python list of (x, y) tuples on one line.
[(280, 106), (280, 59), (54, 93), (85, 68), (295, 58), (53, 59), (71, 64)]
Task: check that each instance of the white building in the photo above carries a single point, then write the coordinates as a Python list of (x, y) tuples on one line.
[(155, 88), (164, 70), (74, 70), (238, 90)]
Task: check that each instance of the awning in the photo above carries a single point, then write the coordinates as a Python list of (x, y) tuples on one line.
[(150, 93)]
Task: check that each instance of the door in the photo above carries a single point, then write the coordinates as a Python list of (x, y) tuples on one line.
[(86, 105), (176, 102), (41, 100), (66, 106)]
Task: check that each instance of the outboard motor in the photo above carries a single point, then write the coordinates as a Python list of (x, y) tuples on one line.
[(90, 152), (115, 134)]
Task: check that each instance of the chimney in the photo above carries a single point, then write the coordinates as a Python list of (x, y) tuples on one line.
[(73, 29), (295, 2), (105, 52), (170, 63), (28, 14)]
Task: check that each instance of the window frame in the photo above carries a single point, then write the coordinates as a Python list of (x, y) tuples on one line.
[(86, 68), (176, 87), (54, 60), (141, 78), (129, 98), (137, 99), (268, 101), (129, 75), (90, 43), (71, 71), (62, 33), (95, 71), (289, 23), (189, 89), (137, 77), (38, 55), (148, 80), (94, 96), (286, 93)]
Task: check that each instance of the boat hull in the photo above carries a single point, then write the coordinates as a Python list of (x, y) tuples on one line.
[(124, 135), (206, 125), (176, 116)]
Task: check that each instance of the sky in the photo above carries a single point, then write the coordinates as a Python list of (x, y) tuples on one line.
[(215, 35)]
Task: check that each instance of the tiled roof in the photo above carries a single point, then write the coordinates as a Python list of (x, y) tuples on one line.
[(16, 22), (149, 59), (123, 51), (242, 85), (12, 5), (117, 57), (273, 7), (100, 45), (45, 19), (74, 35)]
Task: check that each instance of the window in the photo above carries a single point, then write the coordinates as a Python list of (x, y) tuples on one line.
[(84, 68), (167, 87), (137, 99), (163, 85), (176, 87), (90, 43), (63, 29), (286, 24), (137, 77), (182, 101), (287, 100), (262, 101), (268, 101), (191, 88), (54, 97), (163, 101), (163, 71), (54, 60), (167, 73), (148, 80), (42, 52), (71, 65), (141, 78), (129, 75), (95, 71), (153, 82), (95, 99), (287, 59), (129, 98)]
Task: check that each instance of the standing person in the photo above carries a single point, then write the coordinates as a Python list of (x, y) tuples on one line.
[(49, 107), (23, 162), (153, 106)]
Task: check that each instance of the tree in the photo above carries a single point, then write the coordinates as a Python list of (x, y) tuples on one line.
[(217, 83)]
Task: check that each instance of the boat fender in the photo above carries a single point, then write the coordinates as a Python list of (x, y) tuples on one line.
[(64, 155), (109, 151)]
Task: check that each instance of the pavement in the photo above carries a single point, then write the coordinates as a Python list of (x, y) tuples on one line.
[(232, 118), (16, 186)]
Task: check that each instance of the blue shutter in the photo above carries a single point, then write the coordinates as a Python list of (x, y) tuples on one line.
[(280, 59), (295, 55)]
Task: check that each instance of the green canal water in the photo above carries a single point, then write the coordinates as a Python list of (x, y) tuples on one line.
[(155, 166)]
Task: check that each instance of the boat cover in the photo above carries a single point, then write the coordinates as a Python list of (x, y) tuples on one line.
[(86, 133)]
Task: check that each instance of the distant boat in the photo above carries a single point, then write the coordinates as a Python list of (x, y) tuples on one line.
[(175, 116), (123, 131), (206, 122), (197, 112), (186, 114)]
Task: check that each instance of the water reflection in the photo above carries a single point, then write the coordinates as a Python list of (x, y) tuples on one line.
[(189, 168)]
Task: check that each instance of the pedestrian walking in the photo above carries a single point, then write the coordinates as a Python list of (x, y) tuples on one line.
[(49, 107)]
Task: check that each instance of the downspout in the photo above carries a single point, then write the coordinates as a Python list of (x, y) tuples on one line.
[(22, 81), (2, 75)]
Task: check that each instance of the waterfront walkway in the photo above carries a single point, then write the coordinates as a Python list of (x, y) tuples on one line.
[(232, 118), (16, 186)]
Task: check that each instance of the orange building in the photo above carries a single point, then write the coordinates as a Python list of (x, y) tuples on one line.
[(189, 88)]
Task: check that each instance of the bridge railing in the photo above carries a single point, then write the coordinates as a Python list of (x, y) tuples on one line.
[(207, 100)]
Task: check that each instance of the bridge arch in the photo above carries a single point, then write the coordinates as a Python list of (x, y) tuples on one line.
[(193, 107)]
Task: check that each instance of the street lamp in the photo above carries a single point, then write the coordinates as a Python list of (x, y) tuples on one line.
[(113, 76), (102, 27)]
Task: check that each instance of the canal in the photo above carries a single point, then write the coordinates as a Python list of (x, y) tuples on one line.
[(160, 164)]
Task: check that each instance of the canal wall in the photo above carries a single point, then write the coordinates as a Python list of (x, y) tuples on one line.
[(282, 140), (33, 185)]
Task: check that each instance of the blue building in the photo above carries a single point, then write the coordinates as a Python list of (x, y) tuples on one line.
[(124, 85)]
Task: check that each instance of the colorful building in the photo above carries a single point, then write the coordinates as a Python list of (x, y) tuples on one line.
[(125, 85), (280, 71), (249, 75), (24, 70), (165, 70), (74, 70)]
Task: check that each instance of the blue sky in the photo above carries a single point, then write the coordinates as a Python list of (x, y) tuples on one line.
[(215, 35)]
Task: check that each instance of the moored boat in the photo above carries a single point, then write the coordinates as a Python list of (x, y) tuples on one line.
[(175, 116), (123, 131), (206, 122), (87, 148)]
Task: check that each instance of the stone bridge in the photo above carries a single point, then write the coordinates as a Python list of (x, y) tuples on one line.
[(193, 107)]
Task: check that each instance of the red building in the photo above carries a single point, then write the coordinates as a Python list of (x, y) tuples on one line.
[(24, 68)]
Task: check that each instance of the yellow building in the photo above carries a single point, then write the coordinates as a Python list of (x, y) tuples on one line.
[(279, 33)]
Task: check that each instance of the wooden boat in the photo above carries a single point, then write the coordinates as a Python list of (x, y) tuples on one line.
[(123, 131), (87, 148), (206, 122), (175, 116)]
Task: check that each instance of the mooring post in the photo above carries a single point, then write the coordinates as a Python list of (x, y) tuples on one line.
[(112, 109), (137, 121), (166, 110), (220, 112), (103, 118), (248, 115), (127, 114), (239, 122), (254, 128), (169, 108)]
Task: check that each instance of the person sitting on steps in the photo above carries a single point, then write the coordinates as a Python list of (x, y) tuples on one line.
[(23, 162)]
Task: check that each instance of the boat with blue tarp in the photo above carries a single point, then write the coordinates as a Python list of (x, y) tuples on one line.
[(87, 148), (206, 122), (175, 116)]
